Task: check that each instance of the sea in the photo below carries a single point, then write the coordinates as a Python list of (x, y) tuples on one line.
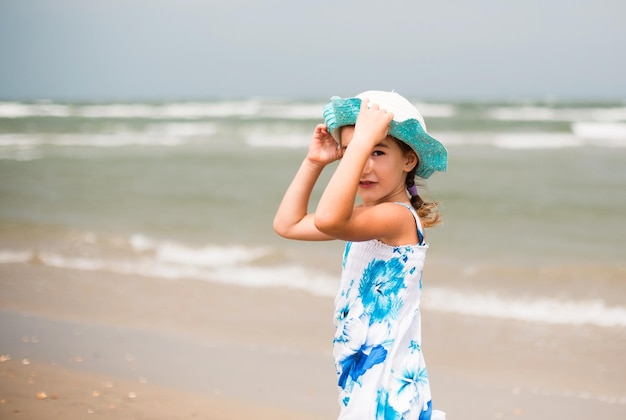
[(533, 202)]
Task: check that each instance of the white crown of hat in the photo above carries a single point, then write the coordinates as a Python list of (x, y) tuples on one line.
[(392, 102)]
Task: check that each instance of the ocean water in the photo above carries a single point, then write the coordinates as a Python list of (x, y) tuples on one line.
[(533, 203)]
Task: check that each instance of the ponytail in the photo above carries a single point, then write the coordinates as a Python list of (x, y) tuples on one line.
[(427, 211)]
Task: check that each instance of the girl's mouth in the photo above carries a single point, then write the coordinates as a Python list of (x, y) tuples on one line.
[(366, 184)]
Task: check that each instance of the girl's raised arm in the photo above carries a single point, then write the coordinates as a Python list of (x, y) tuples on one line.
[(292, 219)]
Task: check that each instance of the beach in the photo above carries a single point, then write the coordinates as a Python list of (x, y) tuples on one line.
[(127, 347), (140, 277)]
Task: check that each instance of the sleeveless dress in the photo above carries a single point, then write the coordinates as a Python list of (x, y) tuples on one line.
[(377, 343)]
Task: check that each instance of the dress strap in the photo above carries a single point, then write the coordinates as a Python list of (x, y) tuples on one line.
[(418, 222)]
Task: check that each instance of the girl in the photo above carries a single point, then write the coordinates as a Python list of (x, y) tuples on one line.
[(381, 140)]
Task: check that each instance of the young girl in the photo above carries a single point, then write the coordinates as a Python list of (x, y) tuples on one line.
[(381, 140)]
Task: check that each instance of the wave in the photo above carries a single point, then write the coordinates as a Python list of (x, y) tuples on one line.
[(257, 108), (290, 141), (24, 147), (592, 134), (610, 134), (536, 309), (16, 257), (262, 123), (543, 113), (186, 110), (248, 267), (248, 108), (170, 111), (170, 134)]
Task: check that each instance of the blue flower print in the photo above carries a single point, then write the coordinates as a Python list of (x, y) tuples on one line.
[(404, 252), (408, 385), (343, 312), (350, 338), (412, 378), (342, 306), (383, 410), (358, 348), (346, 251), (380, 289), (358, 363), (427, 413), (414, 346)]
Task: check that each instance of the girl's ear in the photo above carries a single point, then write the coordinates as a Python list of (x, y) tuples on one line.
[(411, 161)]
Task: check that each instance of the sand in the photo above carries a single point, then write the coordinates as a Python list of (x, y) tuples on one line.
[(101, 345)]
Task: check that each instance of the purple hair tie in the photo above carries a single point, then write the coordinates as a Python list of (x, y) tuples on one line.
[(413, 191)]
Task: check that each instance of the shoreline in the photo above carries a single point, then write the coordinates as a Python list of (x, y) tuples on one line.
[(218, 348)]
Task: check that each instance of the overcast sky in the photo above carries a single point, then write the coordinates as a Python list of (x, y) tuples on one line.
[(196, 49)]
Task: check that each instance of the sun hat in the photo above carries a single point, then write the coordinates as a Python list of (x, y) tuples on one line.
[(407, 126)]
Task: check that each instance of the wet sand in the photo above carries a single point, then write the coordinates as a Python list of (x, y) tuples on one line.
[(110, 346)]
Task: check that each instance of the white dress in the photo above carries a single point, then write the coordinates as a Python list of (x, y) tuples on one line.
[(377, 343)]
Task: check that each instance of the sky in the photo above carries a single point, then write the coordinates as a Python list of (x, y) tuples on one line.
[(205, 49)]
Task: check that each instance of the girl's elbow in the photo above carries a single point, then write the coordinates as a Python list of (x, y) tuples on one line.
[(326, 224), (280, 228)]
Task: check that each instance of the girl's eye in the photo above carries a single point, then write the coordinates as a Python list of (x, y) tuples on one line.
[(378, 153)]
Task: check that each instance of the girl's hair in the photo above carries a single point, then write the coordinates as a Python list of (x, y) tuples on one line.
[(427, 211)]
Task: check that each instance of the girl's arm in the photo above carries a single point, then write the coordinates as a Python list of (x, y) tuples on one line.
[(336, 215), (292, 219)]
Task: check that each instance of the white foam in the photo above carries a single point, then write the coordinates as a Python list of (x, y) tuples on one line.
[(210, 256), (16, 257), (107, 140), (247, 266), (236, 271), (28, 146), (13, 110), (177, 110), (288, 276), (158, 134), (292, 111), (291, 141), (75, 263), (540, 113), (605, 134), (245, 108), (114, 140), (289, 109), (233, 271), (525, 113), (458, 138), (430, 110), (18, 140), (170, 252), (529, 140), (141, 243), (536, 141), (536, 309), (21, 110)]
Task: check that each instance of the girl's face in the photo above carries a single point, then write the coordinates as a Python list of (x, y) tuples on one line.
[(383, 177)]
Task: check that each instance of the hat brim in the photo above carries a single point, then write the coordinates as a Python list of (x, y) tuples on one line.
[(432, 154)]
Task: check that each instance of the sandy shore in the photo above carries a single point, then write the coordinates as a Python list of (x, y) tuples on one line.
[(109, 346)]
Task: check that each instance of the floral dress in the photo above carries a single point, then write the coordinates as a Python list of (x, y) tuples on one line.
[(377, 343)]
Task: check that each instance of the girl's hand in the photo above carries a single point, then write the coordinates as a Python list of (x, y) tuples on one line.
[(323, 148), (372, 123)]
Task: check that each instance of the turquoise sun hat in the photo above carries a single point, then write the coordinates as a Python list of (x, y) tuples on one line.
[(407, 126)]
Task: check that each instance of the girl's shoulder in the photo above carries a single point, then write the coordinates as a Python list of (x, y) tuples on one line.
[(398, 223)]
